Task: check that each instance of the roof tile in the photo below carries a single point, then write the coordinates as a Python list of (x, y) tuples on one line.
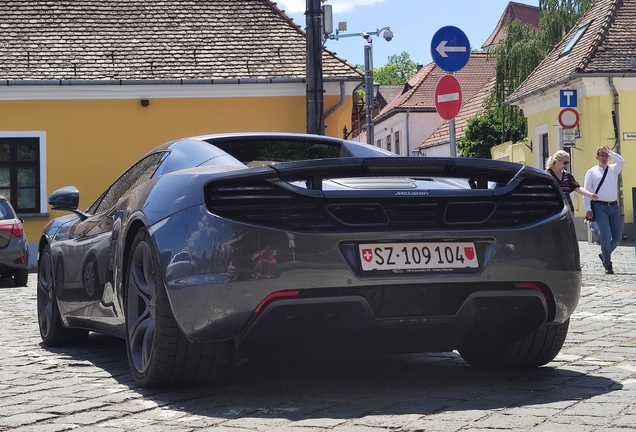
[(154, 39)]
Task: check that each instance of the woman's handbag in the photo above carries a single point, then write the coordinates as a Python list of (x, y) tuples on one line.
[(593, 218)]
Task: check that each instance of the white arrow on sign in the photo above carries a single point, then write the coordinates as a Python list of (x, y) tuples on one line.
[(442, 49)]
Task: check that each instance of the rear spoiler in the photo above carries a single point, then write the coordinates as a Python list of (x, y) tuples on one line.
[(478, 172)]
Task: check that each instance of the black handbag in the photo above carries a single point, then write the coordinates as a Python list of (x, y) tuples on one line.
[(593, 218)]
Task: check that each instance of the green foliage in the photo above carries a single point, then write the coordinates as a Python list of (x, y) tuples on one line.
[(398, 70), (490, 129), (558, 17)]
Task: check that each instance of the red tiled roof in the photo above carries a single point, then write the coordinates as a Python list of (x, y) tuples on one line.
[(519, 11), (473, 107), (420, 94), (608, 46), (154, 39)]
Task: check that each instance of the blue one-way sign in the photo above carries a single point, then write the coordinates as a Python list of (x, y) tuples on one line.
[(450, 49), (567, 98)]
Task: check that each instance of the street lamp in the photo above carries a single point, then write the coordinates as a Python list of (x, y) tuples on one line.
[(369, 87)]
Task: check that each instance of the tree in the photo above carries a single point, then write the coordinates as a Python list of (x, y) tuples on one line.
[(397, 71), (488, 130)]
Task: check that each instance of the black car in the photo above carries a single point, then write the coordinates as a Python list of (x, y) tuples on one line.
[(215, 249), (14, 247)]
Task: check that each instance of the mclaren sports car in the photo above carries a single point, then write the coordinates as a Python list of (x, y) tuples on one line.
[(213, 250)]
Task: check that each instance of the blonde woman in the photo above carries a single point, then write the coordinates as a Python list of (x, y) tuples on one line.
[(557, 167)]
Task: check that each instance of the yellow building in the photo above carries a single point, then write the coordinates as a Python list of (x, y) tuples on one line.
[(590, 76), (88, 88)]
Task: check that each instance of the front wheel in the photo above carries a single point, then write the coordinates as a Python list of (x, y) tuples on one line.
[(52, 330), (158, 352), (536, 349)]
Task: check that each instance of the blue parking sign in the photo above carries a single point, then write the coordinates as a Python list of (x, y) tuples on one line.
[(567, 98)]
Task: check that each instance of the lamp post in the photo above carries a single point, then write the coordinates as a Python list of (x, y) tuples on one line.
[(368, 71)]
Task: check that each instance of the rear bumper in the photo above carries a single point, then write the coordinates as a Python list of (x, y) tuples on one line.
[(327, 326), (235, 271), (14, 256)]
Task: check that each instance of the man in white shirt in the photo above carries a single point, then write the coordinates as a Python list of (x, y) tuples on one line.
[(605, 210)]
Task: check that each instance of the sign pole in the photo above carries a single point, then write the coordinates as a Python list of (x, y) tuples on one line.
[(368, 88), (451, 134)]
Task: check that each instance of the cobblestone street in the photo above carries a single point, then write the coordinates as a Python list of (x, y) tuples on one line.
[(591, 386)]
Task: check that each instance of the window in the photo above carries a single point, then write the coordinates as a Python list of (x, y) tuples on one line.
[(388, 142), (575, 39), (397, 143), (20, 172), (137, 174), (378, 143)]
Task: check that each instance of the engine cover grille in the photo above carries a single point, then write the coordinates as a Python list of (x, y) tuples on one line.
[(265, 204)]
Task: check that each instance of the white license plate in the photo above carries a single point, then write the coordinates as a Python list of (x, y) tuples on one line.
[(418, 256)]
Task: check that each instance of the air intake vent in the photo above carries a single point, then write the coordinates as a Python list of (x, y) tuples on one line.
[(469, 212), (529, 202), (264, 204)]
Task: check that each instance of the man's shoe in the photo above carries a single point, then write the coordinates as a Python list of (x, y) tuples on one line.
[(608, 268)]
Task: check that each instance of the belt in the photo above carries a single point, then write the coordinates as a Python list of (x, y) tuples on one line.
[(606, 203)]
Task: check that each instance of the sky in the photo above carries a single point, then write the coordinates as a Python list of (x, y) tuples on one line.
[(413, 23)]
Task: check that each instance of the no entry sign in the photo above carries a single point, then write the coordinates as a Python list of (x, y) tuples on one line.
[(448, 97)]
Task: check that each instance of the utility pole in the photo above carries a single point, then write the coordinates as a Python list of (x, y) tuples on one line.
[(315, 104)]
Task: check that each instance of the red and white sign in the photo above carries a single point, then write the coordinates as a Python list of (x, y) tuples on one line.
[(568, 118), (448, 97)]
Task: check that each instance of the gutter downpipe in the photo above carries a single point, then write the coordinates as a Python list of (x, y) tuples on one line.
[(407, 137), (339, 103), (617, 134)]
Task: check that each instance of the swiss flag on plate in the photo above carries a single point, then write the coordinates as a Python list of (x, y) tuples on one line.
[(469, 253), (367, 255)]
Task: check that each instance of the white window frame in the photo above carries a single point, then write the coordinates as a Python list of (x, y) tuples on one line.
[(538, 131), (41, 136)]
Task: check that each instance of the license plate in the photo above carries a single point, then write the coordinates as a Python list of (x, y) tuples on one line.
[(427, 256)]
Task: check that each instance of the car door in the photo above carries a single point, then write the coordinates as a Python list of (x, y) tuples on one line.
[(89, 252)]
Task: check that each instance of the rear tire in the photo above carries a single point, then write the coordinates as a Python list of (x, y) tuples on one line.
[(536, 349), (21, 277), (158, 352), (52, 330)]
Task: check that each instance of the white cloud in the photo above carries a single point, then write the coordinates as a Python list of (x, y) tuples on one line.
[(339, 6)]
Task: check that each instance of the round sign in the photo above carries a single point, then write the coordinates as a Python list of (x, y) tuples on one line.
[(450, 49), (568, 118), (448, 97)]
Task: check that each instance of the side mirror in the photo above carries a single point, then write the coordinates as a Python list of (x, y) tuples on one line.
[(66, 198)]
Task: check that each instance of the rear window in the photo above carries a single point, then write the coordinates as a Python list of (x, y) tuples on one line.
[(265, 152), (5, 211)]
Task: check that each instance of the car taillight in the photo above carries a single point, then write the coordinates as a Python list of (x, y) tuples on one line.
[(532, 286), (14, 227), (275, 295)]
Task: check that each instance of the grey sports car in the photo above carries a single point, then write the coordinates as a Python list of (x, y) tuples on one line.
[(215, 249)]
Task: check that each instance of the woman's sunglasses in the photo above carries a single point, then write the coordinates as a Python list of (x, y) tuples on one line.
[(566, 162)]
